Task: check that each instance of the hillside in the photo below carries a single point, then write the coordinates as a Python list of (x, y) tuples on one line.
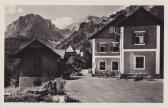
[(82, 30)]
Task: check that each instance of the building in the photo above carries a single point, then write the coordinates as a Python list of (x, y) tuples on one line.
[(39, 62), (69, 52), (129, 45)]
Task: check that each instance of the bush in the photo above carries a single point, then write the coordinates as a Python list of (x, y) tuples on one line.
[(28, 98), (69, 99), (39, 94), (22, 98), (60, 86)]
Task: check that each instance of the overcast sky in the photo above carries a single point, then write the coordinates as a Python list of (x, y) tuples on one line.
[(60, 15)]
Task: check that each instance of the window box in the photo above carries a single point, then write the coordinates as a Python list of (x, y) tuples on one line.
[(139, 37), (139, 44)]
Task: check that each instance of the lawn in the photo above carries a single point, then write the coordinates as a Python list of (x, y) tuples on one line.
[(93, 89)]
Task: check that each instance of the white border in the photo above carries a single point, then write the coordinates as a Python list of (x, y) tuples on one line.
[(135, 62), (158, 51), (99, 43), (99, 65), (93, 56), (84, 2), (118, 46), (122, 50), (142, 50), (112, 65), (140, 44), (107, 56)]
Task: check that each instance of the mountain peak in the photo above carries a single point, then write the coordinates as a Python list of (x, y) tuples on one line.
[(34, 26)]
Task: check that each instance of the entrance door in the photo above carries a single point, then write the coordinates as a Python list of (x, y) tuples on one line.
[(37, 66)]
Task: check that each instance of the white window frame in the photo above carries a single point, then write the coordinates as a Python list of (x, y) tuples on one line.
[(105, 65), (100, 46), (118, 47), (137, 32), (135, 62), (112, 65)]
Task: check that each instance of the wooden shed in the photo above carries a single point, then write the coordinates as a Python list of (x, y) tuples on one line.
[(39, 62)]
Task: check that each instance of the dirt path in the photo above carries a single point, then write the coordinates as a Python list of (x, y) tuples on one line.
[(90, 89)]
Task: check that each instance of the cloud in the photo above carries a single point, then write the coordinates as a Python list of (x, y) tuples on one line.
[(12, 9), (21, 10), (63, 22)]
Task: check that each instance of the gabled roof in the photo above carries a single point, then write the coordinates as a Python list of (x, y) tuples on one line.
[(141, 17), (70, 49), (61, 52), (46, 45), (115, 22), (77, 51)]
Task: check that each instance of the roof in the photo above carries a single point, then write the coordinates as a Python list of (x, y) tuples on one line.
[(47, 45), (70, 49), (141, 17), (115, 22), (61, 52), (77, 51)]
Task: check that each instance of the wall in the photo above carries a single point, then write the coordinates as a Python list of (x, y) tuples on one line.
[(150, 37), (104, 33), (108, 63), (150, 60), (25, 82), (50, 66), (108, 53)]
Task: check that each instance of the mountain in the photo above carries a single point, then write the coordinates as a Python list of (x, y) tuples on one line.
[(158, 11), (82, 30), (34, 26), (13, 44), (86, 27)]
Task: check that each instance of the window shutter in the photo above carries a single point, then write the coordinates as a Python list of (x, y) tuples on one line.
[(146, 40), (98, 47), (111, 47), (133, 38), (106, 48)]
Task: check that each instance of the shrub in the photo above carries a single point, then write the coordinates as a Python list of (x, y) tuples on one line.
[(39, 94), (60, 86), (22, 98), (69, 99)]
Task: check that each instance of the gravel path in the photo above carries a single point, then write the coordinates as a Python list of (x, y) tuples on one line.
[(92, 89)]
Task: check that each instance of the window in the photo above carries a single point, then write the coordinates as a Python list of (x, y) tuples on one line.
[(112, 29), (115, 65), (103, 47), (139, 37), (139, 62), (115, 47), (102, 65)]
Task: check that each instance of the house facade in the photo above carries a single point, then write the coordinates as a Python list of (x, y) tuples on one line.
[(129, 45)]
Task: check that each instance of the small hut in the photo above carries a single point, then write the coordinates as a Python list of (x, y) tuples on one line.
[(39, 62)]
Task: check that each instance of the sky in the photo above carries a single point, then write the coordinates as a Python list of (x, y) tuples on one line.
[(60, 15)]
